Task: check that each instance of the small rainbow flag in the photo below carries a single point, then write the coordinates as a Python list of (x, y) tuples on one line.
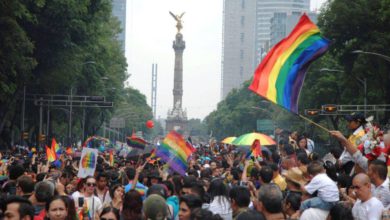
[(175, 151), (69, 151), (111, 157), (280, 75), (88, 160), (55, 146), (136, 142), (50, 154)]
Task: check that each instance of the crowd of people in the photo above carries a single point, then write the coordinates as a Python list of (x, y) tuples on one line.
[(289, 181)]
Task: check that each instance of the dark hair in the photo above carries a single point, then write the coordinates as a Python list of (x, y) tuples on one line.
[(192, 201), (132, 205), (169, 186), (26, 183), (130, 173), (198, 188), (240, 195), (380, 167), (47, 206), (250, 215), (273, 166), (336, 152), (288, 149), (344, 180), (271, 197), (193, 172), (206, 173), (176, 179), (301, 138), (266, 174), (315, 167), (113, 188), (158, 189), (302, 157), (313, 156), (331, 170), (236, 173), (101, 175), (25, 206), (15, 171), (71, 207), (109, 209), (340, 212), (44, 191), (204, 214), (217, 188), (294, 199)]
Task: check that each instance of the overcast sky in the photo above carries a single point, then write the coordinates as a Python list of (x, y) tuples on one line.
[(150, 31)]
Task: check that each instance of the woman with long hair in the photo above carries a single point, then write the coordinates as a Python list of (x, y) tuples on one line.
[(116, 193), (132, 206), (220, 203), (188, 203)]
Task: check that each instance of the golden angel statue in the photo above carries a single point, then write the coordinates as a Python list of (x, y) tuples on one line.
[(178, 18)]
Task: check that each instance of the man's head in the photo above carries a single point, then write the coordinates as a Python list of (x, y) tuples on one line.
[(377, 171), (24, 185), (315, 167), (155, 208), (266, 174), (362, 186), (130, 173), (43, 191), (18, 208), (355, 120), (270, 198), (101, 181), (89, 185), (240, 197)]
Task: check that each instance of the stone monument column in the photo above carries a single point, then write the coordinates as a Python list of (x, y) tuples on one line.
[(177, 117), (179, 46)]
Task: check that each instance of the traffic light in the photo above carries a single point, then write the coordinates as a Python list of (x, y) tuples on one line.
[(25, 135), (41, 138), (329, 108), (312, 112)]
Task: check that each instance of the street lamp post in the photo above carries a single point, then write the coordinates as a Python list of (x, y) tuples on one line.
[(362, 81), (387, 58)]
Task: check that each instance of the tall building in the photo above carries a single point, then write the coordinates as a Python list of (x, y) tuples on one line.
[(247, 36), (282, 24), (265, 10), (239, 17), (119, 11)]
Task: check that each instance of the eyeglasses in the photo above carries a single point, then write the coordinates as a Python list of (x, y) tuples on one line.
[(91, 184), (107, 219)]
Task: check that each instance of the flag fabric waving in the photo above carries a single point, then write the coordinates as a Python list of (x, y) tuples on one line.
[(55, 146), (256, 148), (112, 158), (136, 142), (50, 154), (175, 151), (280, 75)]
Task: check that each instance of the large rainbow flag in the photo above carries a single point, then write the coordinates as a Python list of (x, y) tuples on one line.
[(279, 77), (55, 146), (136, 142), (175, 151)]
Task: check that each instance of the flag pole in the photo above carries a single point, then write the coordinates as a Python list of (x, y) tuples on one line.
[(314, 123)]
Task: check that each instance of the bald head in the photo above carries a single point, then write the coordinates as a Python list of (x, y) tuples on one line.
[(361, 184), (362, 178)]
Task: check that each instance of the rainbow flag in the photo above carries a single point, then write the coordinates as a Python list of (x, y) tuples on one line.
[(111, 158), (69, 151), (55, 146), (136, 142), (50, 154), (279, 77), (88, 160), (256, 149), (175, 151)]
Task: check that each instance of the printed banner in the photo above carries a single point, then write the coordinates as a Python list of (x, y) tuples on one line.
[(88, 162)]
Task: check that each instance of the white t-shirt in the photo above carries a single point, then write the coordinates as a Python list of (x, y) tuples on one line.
[(314, 214), (327, 189), (93, 202), (370, 209)]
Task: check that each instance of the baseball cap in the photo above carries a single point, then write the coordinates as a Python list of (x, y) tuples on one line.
[(356, 116), (155, 207)]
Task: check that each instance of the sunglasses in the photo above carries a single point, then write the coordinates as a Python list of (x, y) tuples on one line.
[(91, 184), (107, 219)]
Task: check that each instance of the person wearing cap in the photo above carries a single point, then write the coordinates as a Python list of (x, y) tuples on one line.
[(356, 123)]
